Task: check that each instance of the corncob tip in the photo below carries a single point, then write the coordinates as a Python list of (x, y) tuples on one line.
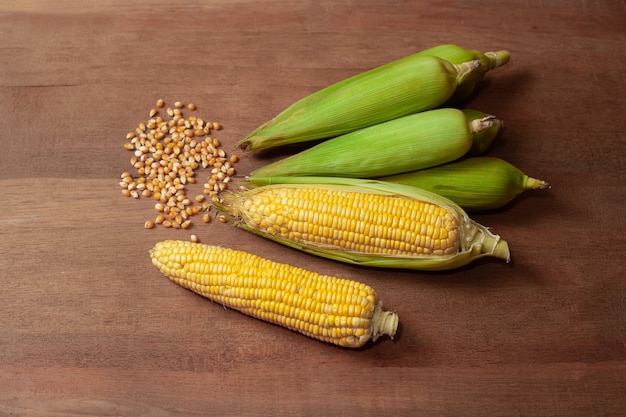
[(247, 143), (483, 123), (244, 145), (531, 183), (497, 59), (383, 323), (495, 246), (466, 69)]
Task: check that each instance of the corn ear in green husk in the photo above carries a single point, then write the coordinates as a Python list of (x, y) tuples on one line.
[(478, 183), (408, 143), (409, 85), (483, 138), (364, 222), (455, 55)]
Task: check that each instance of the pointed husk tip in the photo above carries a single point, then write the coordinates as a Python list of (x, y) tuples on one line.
[(478, 125), (531, 183), (494, 245), (498, 59), (466, 69)]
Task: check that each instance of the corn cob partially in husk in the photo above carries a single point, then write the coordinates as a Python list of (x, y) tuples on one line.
[(339, 311), (478, 183), (455, 55), (408, 143), (409, 85), (364, 222)]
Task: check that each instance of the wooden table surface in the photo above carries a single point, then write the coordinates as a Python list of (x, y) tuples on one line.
[(89, 327)]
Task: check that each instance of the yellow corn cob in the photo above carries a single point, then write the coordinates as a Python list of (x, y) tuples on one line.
[(334, 310), (409, 85), (408, 143), (479, 183), (366, 222)]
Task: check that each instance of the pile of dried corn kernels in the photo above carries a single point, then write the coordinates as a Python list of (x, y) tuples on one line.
[(168, 150)]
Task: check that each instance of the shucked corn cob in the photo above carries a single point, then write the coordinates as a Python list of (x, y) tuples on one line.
[(334, 310), (408, 143), (366, 222), (479, 183), (412, 84)]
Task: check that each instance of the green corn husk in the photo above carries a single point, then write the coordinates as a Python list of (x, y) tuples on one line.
[(455, 55), (384, 82), (478, 183), (476, 240), (408, 143), (483, 138), (409, 85)]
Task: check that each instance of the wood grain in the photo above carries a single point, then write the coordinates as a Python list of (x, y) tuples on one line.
[(89, 327)]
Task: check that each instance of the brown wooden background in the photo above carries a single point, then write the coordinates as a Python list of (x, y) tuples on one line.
[(89, 327)]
